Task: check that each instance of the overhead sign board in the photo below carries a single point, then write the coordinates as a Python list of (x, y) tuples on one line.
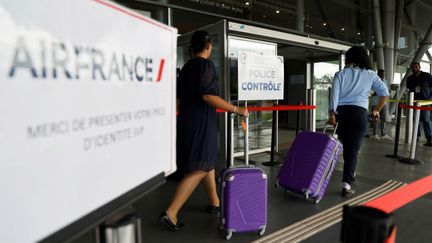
[(87, 97), (260, 76)]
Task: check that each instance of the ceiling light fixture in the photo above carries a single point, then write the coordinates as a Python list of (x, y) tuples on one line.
[(342, 28), (324, 23), (277, 11), (247, 3)]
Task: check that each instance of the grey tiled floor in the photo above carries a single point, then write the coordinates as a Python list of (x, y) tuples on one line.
[(414, 220)]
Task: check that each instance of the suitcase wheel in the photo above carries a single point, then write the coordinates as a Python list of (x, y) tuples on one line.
[(221, 226), (306, 192), (229, 235), (262, 231)]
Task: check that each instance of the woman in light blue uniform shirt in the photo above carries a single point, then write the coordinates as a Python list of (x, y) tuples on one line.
[(349, 104)]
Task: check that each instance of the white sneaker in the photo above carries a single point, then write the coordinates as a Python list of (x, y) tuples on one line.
[(346, 186), (386, 137), (375, 137)]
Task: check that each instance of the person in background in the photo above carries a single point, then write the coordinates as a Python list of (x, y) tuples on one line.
[(197, 98), (380, 122), (349, 107), (421, 84)]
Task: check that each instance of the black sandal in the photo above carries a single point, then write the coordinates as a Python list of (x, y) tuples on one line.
[(165, 220), (213, 209)]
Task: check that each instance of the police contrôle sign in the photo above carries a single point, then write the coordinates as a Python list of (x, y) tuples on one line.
[(260, 76)]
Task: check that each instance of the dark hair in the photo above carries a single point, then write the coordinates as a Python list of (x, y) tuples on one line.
[(380, 71), (359, 57), (199, 41), (415, 63)]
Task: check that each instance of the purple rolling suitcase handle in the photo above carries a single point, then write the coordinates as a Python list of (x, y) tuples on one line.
[(335, 128), (229, 232)]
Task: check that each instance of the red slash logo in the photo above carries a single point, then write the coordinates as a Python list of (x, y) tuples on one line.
[(161, 65)]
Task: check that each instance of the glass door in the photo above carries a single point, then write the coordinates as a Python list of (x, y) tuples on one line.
[(259, 122), (218, 36), (323, 72)]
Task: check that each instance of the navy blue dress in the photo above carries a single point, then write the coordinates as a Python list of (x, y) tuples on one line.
[(196, 122)]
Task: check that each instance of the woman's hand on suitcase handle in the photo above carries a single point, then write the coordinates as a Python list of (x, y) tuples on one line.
[(332, 118), (243, 111), (375, 115)]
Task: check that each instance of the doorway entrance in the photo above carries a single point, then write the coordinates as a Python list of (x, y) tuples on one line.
[(308, 63)]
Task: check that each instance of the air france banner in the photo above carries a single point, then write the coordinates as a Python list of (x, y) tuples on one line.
[(87, 104), (260, 76)]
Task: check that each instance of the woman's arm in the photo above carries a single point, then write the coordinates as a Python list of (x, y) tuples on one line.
[(381, 102), (177, 105), (334, 99), (382, 91), (220, 103)]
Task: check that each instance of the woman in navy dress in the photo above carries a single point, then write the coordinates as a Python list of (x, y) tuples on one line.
[(197, 100)]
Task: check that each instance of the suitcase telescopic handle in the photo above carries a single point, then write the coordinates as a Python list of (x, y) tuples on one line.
[(231, 121), (245, 127), (328, 125)]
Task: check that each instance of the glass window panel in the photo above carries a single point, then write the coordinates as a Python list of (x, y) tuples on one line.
[(259, 121), (425, 67), (397, 78), (237, 44), (399, 74), (323, 78)]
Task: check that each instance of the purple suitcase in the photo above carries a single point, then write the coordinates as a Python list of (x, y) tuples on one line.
[(244, 200), (243, 196), (309, 164)]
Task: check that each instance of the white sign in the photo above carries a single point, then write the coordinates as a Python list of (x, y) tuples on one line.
[(260, 76), (87, 104)]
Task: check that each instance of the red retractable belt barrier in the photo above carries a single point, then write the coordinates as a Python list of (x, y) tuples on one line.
[(416, 107), (274, 108), (277, 108), (398, 198), (282, 108)]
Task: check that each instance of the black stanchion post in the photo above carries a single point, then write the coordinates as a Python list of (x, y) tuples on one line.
[(298, 120), (398, 124), (273, 142), (273, 138)]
